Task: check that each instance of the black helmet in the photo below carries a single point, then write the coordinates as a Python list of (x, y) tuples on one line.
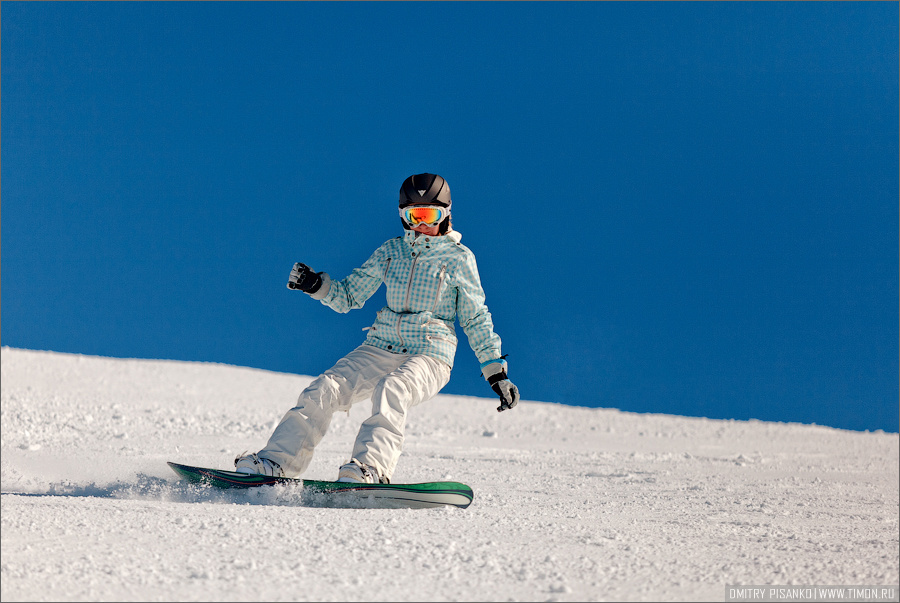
[(425, 189)]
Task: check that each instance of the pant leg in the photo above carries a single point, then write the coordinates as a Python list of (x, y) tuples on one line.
[(380, 439), (350, 380)]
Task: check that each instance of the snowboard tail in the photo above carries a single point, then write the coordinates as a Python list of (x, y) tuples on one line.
[(424, 495)]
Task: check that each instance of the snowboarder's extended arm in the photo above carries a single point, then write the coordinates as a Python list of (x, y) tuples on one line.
[(475, 320)]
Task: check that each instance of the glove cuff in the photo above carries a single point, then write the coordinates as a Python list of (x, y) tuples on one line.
[(493, 367), (323, 289), (497, 378)]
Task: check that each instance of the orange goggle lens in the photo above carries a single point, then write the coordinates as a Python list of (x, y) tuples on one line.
[(423, 215)]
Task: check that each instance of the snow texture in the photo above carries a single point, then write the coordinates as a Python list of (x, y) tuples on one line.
[(571, 504)]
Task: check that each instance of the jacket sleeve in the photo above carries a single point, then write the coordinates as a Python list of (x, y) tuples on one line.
[(473, 314), (351, 293)]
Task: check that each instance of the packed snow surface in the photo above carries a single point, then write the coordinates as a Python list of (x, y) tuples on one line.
[(571, 504)]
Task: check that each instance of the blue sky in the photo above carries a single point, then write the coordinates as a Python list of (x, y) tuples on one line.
[(686, 208)]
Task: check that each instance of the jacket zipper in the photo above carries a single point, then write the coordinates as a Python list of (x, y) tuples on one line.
[(437, 296), (412, 272)]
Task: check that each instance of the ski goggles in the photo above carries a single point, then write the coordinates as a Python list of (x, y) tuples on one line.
[(424, 215)]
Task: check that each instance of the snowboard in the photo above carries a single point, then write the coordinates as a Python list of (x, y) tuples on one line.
[(416, 496)]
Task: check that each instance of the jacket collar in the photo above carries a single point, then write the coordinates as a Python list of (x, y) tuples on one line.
[(451, 237)]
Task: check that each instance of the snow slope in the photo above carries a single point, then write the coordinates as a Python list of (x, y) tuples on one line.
[(571, 504)]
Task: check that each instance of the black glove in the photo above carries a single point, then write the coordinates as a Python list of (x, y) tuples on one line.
[(303, 278), (509, 393)]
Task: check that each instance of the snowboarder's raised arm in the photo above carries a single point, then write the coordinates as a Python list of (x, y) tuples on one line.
[(349, 293)]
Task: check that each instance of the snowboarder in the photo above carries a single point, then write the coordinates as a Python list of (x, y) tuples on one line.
[(431, 281)]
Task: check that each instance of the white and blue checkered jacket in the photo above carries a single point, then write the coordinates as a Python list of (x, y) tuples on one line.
[(431, 282)]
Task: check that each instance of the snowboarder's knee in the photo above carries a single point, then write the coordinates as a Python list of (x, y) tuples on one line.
[(324, 393)]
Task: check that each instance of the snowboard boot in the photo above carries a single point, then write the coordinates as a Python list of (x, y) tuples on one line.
[(252, 463), (354, 471)]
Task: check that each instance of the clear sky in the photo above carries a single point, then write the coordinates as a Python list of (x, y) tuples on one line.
[(677, 208)]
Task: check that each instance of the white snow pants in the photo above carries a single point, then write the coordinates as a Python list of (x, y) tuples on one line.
[(395, 382)]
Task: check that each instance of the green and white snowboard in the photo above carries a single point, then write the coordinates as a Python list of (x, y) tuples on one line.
[(417, 496)]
